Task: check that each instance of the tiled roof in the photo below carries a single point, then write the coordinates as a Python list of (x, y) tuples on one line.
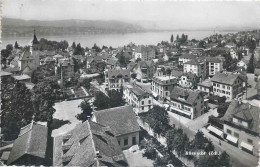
[(244, 111), (225, 78), (193, 62), (212, 59), (122, 120), (32, 140), (26, 55), (146, 64), (79, 147), (187, 56), (66, 62), (117, 73), (112, 62), (190, 95), (206, 83)]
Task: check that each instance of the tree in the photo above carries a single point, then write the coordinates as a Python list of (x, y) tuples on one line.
[(86, 111), (101, 101), (251, 64), (222, 109), (177, 37), (96, 48), (172, 38), (121, 59), (158, 118), (16, 46), (17, 110), (168, 72), (206, 161), (115, 98), (138, 59), (44, 94), (73, 45), (201, 44), (86, 83), (224, 160), (79, 50)]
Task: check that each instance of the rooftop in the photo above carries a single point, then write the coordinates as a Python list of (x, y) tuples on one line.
[(88, 144), (32, 140), (225, 78), (122, 120), (21, 77)]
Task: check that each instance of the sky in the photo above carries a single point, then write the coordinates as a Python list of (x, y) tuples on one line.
[(160, 14)]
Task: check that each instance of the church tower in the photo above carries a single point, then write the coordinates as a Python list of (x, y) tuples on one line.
[(33, 49)]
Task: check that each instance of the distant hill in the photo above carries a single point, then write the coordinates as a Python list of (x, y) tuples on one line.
[(18, 27)]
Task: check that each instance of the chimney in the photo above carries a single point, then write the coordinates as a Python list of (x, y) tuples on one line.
[(97, 154)]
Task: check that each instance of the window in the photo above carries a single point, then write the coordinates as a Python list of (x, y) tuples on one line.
[(218, 85), (228, 131), (125, 141), (250, 141), (214, 89), (223, 86), (223, 91), (119, 142), (214, 84), (166, 94), (133, 140), (236, 134), (142, 108), (149, 101), (142, 102), (228, 87)]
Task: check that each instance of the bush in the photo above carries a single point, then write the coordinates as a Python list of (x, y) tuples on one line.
[(215, 122)]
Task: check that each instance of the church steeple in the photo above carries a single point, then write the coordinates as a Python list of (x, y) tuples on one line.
[(35, 40)]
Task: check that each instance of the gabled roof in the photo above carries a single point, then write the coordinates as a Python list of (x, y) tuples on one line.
[(193, 62), (112, 62), (26, 55), (80, 147), (145, 64), (32, 140), (190, 95), (122, 120), (225, 78), (117, 73), (212, 59), (244, 111), (143, 48)]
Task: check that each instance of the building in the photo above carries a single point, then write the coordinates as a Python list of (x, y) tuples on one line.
[(257, 87), (29, 148), (188, 80), (144, 71), (227, 84), (112, 64), (137, 97), (114, 79), (146, 53), (47, 60), (243, 64), (163, 85), (22, 78), (197, 67), (205, 86), (64, 67), (187, 103), (88, 144), (213, 65), (241, 126), (122, 120), (185, 58)]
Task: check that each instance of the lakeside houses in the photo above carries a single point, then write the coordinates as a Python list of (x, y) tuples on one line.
[(213, 65), (140, 99), (122, 120), (227, 84), (29, 148), (144, 71), (88, 144), (196, 66), (162, 85), (241, 126), (188, 80), (205, 86), (114, 79), (188, 103), (64, 68), (145, 53)]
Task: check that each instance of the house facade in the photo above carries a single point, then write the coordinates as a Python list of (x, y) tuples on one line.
[(187, 103), (144, 71), (195, 66), (213, 65), (241, 126), (146, 53), (64, 68), (227, 84), (163, 85), (185, 58), (140, 99), (114, 79), (188, 80)]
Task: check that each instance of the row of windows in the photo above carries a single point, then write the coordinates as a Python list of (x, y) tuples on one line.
[(250, 141), (149, 102), (126, 141), (224, 92), (223, 86)]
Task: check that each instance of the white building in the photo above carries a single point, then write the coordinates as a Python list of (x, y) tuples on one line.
[(196, 66), (114, 79), (241, 126), (137, 97), (213, 65)]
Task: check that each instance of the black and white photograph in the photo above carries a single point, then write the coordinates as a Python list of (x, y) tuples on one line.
[(130, 83)]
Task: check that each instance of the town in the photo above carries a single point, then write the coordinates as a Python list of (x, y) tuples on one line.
[(182, 102)]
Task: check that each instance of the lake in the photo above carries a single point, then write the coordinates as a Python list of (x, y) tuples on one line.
[(114, 40)]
